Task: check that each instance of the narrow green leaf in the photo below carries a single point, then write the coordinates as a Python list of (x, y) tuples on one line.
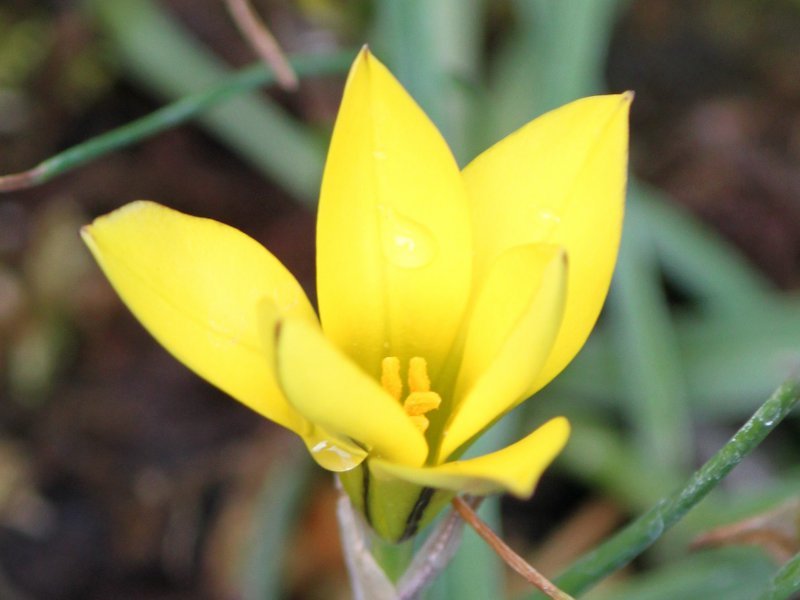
[(556, 54), (785, 583), (697, 259), (726, 362), (278, 504), (645, 530), (179, 112), (730, 573), (434, 48), (163, 57), (649, 362)]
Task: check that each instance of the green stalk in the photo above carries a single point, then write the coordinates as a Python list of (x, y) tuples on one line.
[(644, 531), (785, 583), (643, 336), (162, 56), (698, 259), (263, 562), (170, 116), (433, 47)]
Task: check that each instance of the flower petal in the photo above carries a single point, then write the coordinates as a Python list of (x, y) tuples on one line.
[(511, 332), (332, 451), (331, 391), (515, 469), (393, 235), (195, 285), (560, 180)]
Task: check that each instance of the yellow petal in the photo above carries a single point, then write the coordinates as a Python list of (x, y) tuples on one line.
[(393, 235), (560, 180), (331, 391), (195, 285), (511, 332), (332, 451), (515, 469)]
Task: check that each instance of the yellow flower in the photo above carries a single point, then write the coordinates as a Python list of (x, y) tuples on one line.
[(446, 297)]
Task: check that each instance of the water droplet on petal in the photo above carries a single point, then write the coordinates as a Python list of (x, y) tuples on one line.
[(545, 224), (335, 457), (406, 243)]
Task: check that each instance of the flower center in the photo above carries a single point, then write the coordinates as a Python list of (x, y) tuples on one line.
[(420, 398)]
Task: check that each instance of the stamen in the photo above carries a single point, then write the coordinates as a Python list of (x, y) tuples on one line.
[(418, 403), (418, 380), (420, 399), (390, 377)]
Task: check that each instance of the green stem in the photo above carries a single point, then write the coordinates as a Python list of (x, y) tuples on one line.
[(786, 581), (169, 116), (644, 531), (392, 558)]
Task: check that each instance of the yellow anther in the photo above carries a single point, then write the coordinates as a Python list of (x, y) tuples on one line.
[(418, 380), (420, 422), (418, 403), (390, 376), (420, 399)]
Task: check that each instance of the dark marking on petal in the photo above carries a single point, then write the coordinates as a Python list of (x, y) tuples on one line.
[(365, 492), (414, 517)]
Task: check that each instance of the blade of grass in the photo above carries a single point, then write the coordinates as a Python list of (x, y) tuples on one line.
[(597, 455), (434, 48), (645, 530), (727, 362), (697, 259), (556, 54), (162, 56), (785, 583), (278, 504), (171, 115), (649, 362), (730, 573)]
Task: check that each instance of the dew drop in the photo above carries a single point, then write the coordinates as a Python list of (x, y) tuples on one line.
[(546, 222), (333, 457), (406, 243)]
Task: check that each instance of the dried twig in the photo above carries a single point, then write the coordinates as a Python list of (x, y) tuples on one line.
[(20, 181), (511, 558), (432, 558), (263, 42)]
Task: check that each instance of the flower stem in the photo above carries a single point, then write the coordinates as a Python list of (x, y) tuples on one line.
[(169, 116), (785, 583), (644, 531), (511, 558)]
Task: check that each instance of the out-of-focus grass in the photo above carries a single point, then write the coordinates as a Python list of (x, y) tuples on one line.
[(164, 58), (655, 366)]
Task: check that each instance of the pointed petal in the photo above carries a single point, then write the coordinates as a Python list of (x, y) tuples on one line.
[(195, 284), (515, 469), (332, 451), (393, 235), (511, 333), (560, 180), (329, 390)]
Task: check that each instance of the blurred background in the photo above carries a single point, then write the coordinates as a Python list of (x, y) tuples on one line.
[(124, 476)]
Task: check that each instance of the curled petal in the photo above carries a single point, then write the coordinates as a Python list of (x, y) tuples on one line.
[(515, 469), (561, 180), (510, 335), (195, 284), (332, 392)]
